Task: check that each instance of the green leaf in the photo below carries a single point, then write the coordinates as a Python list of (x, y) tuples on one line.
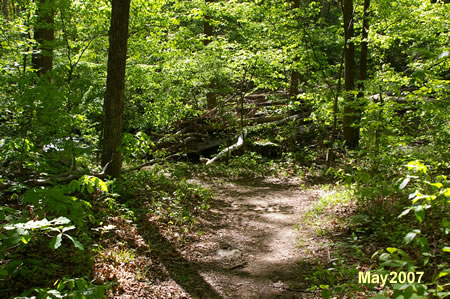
[(75, 242), (101, 185), (67, 228), (409, 237), (60, 221), (26, 238), (404, 183), (420, 213), (81, 284), (405, 212), (89, 188), (412, 195), (447, 192), (391, 250), (384, 256), (443, 273), (437, 185), (55, 243), (446, 249)]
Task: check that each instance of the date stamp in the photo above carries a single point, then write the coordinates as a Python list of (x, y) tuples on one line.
[(392, 278)]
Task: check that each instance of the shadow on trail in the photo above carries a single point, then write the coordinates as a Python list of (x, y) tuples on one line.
[(179, 269)]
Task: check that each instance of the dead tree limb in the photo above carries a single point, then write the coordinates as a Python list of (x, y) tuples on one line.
[(148, 163), (229, 149)]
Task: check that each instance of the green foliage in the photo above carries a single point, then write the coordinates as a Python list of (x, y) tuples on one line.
[(52, 124), (79, 288), (429, 198), (26, 225), (166, 196)]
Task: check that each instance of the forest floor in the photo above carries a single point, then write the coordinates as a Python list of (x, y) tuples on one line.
[(252, 249), (252, 243)]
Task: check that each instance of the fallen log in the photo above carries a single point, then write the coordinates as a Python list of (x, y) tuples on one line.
[(148, 163), (48, 181), (235, 146)]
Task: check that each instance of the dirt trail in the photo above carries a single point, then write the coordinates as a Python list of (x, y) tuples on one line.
[(249, 248)]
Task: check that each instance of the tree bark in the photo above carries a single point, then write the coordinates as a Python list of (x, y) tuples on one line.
[(364, 45), (44, 34), (293, 89), (351, 112), (5, 9), (115, 87), (211, 98), (295, 75), (207, 26)]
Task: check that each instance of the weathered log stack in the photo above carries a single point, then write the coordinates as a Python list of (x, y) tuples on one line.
[(207, 134)]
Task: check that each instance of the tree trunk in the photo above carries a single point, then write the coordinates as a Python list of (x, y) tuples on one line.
[(211, 99), (207, 27), (325, 8), (5, 9), (293, 89), (115, 87), (295, 75), (351, 112), (364, 45), (44, 34)]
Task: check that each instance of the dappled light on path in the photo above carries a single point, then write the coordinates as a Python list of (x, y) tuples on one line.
[(251, 251)]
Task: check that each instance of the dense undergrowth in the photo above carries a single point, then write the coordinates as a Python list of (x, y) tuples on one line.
[(47, 229), (63, 221), (389, 215)]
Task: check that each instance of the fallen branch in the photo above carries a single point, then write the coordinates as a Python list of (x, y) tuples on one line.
[(148, 163), (237, 145), (279, 122), (48, 181)]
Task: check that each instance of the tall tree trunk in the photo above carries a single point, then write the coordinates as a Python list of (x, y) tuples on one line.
[(293, 89), (44, 34), (351, 112), (115, 87), (363, 56), (325, 8), (42, 58), (5, 9), (364, 45), (295, 75), (211, 98)]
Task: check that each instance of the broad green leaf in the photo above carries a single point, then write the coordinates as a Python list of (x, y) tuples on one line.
[(384, 256), (404, 183), (55, 243), (437, 185), (60, 221), (75, 242), (89, 188), (420, 213), (405, 212), (412, 195), (446, 249), (65, 229), (409, 237), (443, 273), (82, 284), (101, 185), (26, 238), (447, 192), (391, 250)]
